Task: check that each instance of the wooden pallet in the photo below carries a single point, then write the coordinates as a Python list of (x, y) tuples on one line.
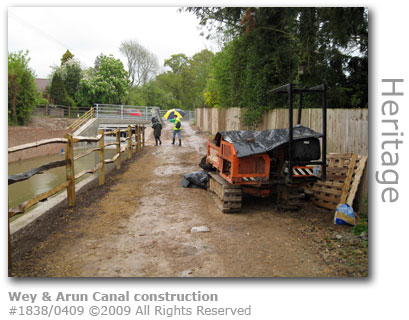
[(344, 172)]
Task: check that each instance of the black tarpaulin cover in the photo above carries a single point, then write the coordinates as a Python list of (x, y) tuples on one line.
[(248, 143)]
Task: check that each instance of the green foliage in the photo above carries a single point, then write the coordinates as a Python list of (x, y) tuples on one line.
[(185, 82), (67, 56), (58, 93), (72, 75), (65, 81), (362, 226), (275, 46), (151, 94), (108, 84), (22, 91)]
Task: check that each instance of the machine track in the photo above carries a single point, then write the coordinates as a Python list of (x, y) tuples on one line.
[(229, 196)]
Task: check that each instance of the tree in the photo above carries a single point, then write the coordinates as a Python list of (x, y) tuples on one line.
[(67, 56), (22, 91), (200, 67), (184, 81), (58, 92), (109, 84), (72, 75), (142, 64)]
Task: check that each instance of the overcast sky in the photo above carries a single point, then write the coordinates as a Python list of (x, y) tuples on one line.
[(47, 32)]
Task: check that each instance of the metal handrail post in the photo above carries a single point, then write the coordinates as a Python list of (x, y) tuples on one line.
[(324, 133), (290, 132)]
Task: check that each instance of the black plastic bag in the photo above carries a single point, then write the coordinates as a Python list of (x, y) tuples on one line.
[(197, 179)]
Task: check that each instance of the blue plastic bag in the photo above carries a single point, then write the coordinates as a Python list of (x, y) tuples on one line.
[(344, 214)]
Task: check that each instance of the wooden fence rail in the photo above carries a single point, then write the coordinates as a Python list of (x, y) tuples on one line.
[(135, 142)]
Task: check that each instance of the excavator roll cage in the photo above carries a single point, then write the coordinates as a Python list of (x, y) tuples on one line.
[(291, 90)]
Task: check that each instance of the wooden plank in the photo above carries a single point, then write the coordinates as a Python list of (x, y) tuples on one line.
[(334, 184), (36, 144), (22, 207), (348, 179), (333, 177), (326, 187), (85, 139), (79, 156), (111, 144), (327, 194), (28, 174), (328, 197), (113, 158), (337, 170), (79, 175), (323, 204), (357, 179), (328, 190)]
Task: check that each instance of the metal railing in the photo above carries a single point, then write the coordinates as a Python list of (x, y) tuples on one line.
[(111, 111), (107, 111)]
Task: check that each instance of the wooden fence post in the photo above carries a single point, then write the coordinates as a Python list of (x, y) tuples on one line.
[(9, 247), (118, 148), (129, 142), (138, 138), (101, 158), (70, 173), (46, 109), (69, 112), (134, 149), (143, 136)]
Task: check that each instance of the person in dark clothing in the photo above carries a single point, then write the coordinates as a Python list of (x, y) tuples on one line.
[(157, 130)]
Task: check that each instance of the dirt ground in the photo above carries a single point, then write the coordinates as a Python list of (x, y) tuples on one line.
[(139, 225)]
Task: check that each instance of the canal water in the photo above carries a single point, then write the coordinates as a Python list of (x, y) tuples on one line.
[(39, 183)]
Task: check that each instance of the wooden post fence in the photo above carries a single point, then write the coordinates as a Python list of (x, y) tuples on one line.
[(69, 161)]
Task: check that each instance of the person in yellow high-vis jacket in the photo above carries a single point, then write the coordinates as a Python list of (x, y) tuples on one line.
[(177, 127)]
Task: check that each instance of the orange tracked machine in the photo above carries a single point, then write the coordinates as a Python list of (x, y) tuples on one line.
[(278, 163)]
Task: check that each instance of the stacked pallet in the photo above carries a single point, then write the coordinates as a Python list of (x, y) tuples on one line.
[(344, 172)]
